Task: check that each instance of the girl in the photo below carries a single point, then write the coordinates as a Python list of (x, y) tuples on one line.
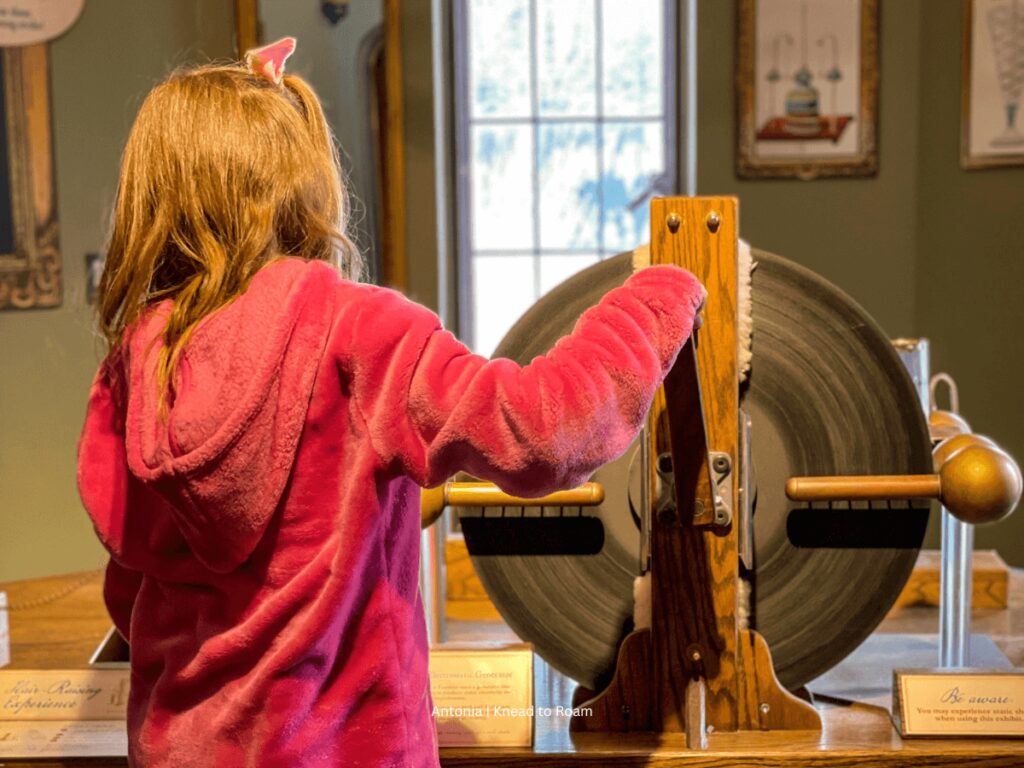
[(258, 433)]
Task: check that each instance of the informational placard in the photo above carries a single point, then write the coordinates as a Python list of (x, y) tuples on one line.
[(48, 713), (71, 694), (50, 739), (483, 695), (5, 632), (26, 22), (961, 702)]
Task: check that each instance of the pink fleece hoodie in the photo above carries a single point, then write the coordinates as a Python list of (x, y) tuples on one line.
[(264, 536)]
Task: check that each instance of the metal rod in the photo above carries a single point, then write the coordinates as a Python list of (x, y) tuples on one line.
[(955, 580), (955, 569), (430, 585), (432, 563), (688, 98), (696, 714)]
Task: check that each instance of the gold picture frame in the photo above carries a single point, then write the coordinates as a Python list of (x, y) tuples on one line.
[(30, 263), (991, 119), (823, 124)]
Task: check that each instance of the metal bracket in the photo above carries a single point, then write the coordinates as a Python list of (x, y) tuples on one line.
[(745, 533), (721, 469), (644, 512)]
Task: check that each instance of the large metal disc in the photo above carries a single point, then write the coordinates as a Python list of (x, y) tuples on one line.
[(827, 395)]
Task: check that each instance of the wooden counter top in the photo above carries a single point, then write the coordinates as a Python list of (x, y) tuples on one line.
[(56, 621)]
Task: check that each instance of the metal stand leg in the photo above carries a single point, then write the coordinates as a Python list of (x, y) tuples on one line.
[(957, 537), (956, 577), (696, 714), (432, 580), (955, 595)]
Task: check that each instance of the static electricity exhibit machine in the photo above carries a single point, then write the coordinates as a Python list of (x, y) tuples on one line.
[(761, 527)]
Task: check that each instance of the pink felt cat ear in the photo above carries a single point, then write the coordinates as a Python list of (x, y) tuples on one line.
[(269, 60)]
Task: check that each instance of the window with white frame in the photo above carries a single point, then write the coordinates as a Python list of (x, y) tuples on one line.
[(564, 129)]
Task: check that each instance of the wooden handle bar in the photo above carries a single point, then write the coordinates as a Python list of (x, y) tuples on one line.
[(434, 500), (977, 481), (863, 488), (489, 495)]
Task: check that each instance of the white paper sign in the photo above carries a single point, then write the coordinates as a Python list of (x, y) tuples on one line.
[(25, 22), (483, 696)]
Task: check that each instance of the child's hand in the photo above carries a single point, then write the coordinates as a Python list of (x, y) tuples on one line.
[(698, 318)]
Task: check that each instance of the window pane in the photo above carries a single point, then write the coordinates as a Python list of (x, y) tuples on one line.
[(634, 155), (502, 195), (558, 269), (633, 57), (499, 62), (565, 57), (569, 203), (563, 113), (503, 289)]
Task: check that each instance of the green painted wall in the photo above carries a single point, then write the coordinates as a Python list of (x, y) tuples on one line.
[(969, 269), (100, 71)]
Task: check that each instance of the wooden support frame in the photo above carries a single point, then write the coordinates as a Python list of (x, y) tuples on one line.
[(247, 26), (697, 634), (394, 239), (30, 259)]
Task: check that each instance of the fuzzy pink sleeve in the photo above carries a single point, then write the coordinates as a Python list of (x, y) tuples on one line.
[(433, 408)]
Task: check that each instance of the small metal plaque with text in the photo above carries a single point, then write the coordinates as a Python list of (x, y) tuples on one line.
[(958, 702)]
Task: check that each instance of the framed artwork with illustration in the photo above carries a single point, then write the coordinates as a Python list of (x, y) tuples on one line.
[(992, 94), (30, 274), (807, 87)]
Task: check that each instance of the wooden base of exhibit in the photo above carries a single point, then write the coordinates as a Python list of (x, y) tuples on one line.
[(857, 735), (60, 620)]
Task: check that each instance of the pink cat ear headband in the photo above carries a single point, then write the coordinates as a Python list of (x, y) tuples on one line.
[(269, 60)]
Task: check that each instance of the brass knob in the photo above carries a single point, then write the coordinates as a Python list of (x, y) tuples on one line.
[(432, 504), (980, 483), (951, 445), (943, 424)]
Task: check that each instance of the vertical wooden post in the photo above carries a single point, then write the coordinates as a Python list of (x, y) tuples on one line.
[(695, 634), (696, 569), (394, 258), (247, 25)]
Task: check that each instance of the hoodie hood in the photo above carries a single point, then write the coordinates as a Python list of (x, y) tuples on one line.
[(222, 455)]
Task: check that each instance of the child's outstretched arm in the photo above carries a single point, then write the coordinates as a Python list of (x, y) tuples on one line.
[(432, 408)]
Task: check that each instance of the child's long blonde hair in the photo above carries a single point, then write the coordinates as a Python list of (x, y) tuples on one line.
[(223, 171)]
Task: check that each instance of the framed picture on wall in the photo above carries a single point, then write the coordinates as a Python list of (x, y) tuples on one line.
[(807, 88), (30, 273), (992, 94)]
